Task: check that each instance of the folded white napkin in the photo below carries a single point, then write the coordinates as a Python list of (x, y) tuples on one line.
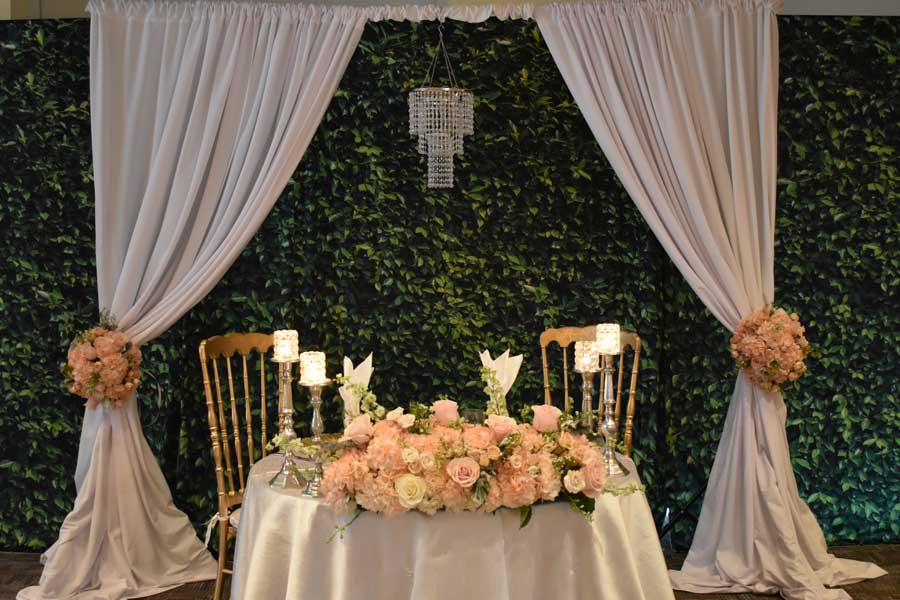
[(359, 375), (506, 368)]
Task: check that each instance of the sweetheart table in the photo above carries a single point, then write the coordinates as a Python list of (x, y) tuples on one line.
[(283, 551)]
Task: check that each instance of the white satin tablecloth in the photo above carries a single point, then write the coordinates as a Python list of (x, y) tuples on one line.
[(283, 551)]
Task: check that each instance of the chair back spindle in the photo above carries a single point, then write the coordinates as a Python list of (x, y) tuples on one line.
[(246, 435)]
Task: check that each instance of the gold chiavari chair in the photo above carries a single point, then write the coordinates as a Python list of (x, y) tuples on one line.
[(233, 441), (631, 343)]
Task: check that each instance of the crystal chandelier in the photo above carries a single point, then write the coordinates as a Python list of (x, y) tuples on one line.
[(440, 116)]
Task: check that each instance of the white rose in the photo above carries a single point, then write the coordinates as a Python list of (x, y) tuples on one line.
[(426, 459), (410, 490), (410, 455), (404, 421), (515, 461), (574, 481)]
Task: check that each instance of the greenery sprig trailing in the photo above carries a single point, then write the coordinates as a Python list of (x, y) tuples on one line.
[(301, 448), (623, 490)]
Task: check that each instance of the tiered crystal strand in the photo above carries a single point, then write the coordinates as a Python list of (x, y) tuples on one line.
[(441, 116)]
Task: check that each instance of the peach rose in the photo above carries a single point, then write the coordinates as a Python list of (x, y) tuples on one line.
[(500, 426), (360, 430), (464, 471), (445, 411), (427, 461), (566, 440), (546, 417)]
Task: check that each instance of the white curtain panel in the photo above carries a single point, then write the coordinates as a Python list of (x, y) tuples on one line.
[(200, 112), (682, 97)]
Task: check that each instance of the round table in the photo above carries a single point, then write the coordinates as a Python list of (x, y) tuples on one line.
[(283, 551)]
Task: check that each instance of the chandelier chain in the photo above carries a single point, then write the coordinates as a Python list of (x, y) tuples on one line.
[(441, 50)]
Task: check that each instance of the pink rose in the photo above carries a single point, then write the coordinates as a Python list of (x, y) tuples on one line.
[(594, 477), (464, 471), (500, 426), (445, 411), (546, 417), (360, 430)]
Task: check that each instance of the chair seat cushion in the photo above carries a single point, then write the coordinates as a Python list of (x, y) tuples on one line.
[(234, 518)]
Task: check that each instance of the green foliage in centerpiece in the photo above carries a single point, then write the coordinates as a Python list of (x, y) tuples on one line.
[(359, 256)]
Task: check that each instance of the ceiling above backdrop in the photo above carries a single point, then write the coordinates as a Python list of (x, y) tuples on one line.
[(68, 9)]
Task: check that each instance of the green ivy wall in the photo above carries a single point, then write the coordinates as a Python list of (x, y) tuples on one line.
[(538, 232)]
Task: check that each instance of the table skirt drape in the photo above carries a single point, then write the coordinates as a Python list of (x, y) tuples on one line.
[(283, 551)]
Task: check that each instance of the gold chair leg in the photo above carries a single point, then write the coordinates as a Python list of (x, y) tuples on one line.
[(223, 550)]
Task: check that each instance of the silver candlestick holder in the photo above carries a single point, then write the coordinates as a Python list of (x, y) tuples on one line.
[(587, 402), (287, 477), (314, 485), (286, 408), (608, 427)]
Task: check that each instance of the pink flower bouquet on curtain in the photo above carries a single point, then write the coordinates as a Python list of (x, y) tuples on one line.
[(430, 460), (769, 346), (103, 366)]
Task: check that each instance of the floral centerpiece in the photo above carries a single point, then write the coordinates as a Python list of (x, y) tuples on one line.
[(769, 346), (103, 365), (430, 460)]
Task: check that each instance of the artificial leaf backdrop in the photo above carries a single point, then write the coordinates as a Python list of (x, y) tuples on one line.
[(359, 256)]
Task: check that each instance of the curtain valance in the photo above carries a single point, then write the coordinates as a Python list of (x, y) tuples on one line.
[(471, 11)]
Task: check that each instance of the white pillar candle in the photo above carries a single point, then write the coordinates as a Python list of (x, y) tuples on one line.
[(587, 357), (607, 337), (287, 346), (312, 368)]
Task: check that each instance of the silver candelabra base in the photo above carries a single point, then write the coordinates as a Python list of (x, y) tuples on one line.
[(608, 428), (288, 478), (587, 402), (314, 485)]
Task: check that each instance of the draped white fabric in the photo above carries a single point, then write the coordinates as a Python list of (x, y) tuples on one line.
[(682, 97), (202, 110), (200, 113)]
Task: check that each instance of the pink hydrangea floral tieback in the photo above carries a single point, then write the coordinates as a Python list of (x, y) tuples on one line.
[(769, 347), (103, 366)]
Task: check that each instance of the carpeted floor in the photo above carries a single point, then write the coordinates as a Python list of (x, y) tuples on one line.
[(18, 570)]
